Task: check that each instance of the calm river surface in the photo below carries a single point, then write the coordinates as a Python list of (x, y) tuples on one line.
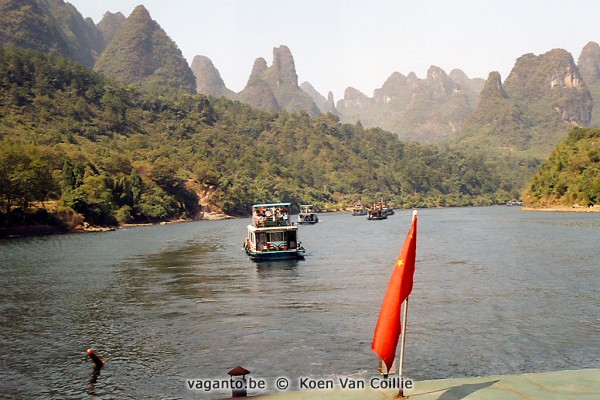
[(497, 290)]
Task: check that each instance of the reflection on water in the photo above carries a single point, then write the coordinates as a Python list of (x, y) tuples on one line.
[(174, 271), (277, 266), (496, 291)]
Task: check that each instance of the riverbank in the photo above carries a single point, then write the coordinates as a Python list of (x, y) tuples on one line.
[(574, 208), (17, 231), (202, 216), (579, 384)]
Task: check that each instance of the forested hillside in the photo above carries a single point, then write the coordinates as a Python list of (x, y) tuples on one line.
[(571, 176), (113, 153)]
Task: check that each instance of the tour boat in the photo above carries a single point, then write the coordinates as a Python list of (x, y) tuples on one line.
[(272, 235), (389, 210), (377, 212), (359, 209), (307, 214)]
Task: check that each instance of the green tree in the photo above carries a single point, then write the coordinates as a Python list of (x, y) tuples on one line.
[(25, 177)]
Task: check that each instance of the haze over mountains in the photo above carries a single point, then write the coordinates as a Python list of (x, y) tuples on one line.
[(541, 99)]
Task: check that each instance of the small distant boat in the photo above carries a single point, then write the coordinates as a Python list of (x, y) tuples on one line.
[(389, 210), (307, 214), (377, 212), (359, 209), (514, 203), (271, 235)]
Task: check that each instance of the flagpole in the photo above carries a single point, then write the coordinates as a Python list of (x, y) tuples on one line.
[(401, 363)]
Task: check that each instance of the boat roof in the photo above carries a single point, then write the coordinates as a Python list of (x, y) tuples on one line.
[(273, 228), (272, 205), (306, 205)]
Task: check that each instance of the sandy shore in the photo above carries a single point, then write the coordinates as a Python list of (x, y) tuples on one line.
[(204, 216)]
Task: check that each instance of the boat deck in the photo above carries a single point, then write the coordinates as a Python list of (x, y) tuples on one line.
[(576, 385)]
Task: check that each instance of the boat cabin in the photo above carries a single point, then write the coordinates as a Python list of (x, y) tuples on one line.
[(273, 239), (272, 235)]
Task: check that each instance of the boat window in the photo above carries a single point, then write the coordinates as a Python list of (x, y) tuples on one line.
[(277, 237), (261, 237)]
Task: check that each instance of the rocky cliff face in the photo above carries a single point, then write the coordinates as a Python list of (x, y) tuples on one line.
[(589, 68), (329, 106), (493, 88), (283, 70), (439, 83), (259, 69), (51, 26), (257, 92), (208, 78), (542, 98), (25, 24), (354, 99), (276, 87), (84, 41), (496, 118), (325, 105), (317, 97), (471, 87), (142, 53), (551, 80), (589, 63), (109, 25), (396, 90)]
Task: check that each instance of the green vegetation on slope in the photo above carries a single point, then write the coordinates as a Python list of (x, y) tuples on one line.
[(540, 101), (142, 53), (571, 175), (114, 153)]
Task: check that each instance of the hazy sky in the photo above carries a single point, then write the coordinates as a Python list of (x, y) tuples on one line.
[(358, 43)]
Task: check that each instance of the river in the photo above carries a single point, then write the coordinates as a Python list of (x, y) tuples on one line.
[(497, 290)]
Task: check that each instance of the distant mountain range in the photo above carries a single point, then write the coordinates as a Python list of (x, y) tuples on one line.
[(424, 110), (543, 97)]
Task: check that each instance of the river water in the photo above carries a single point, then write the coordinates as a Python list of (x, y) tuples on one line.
[(497, 290)]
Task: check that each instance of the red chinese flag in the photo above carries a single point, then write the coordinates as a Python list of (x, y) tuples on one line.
[(387, 331)]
